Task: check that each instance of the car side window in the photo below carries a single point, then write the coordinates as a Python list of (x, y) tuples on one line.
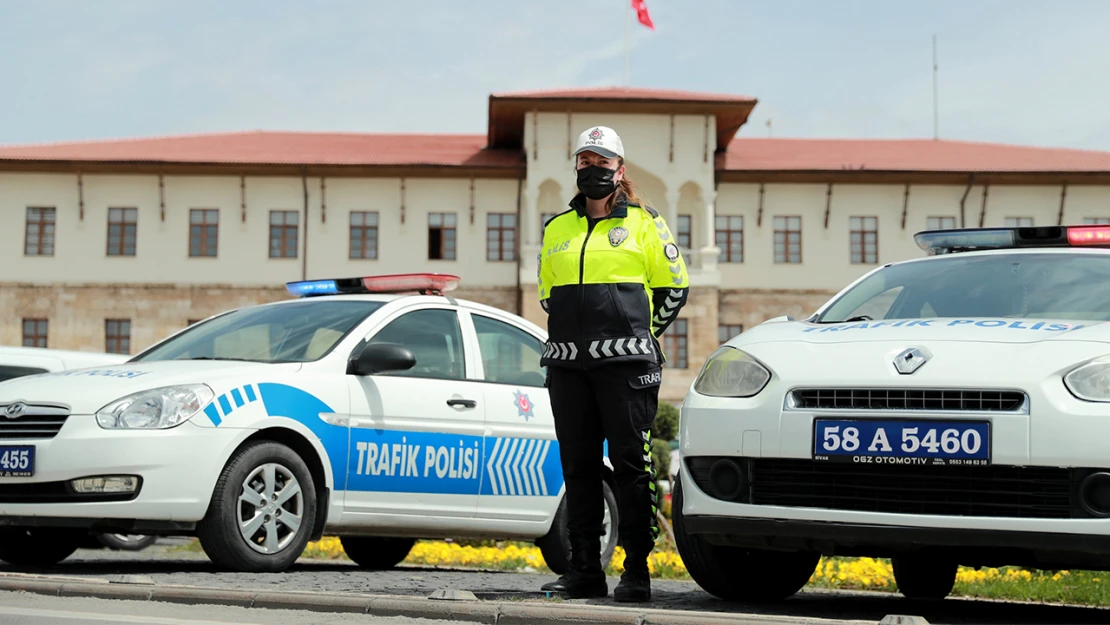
[(509, 355), (434, 337)]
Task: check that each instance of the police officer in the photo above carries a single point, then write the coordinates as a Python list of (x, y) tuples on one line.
[(611, 280)]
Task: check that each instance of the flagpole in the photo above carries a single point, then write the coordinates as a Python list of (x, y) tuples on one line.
[(627, 35)]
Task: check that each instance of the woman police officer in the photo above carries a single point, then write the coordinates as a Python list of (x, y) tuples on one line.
[(611, 280)]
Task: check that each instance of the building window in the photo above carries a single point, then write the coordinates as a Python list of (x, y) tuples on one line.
[(1095, 221), (122, 230), (726, 331), (544, 218), (117, 333), (501, 236), (865, 240), (39, 235), (34, 332), (1019, 222), (441, 236), (788, 239), (675, 342), (204, 227), (940, 223), (682, 236), (283, 234), (364, 235), (730, 237)]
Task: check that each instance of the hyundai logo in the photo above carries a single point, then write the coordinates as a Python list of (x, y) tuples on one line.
[(14, 411), (910, 360)]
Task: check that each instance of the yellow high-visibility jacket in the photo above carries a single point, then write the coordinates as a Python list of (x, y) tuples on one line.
[(610, 286)]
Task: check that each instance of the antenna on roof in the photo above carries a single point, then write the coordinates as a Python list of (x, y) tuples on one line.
[(936, 119), (769, 131)]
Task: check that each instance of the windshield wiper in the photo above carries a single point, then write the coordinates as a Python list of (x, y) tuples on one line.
[(853, 319), (222, 358)]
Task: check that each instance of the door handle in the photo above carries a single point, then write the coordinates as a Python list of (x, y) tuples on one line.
[(468, 403)]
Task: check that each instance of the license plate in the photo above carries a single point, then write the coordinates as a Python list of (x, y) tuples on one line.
[(17, 461), (903, 442)]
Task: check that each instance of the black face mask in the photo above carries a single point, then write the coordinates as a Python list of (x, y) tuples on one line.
[(596, 182)]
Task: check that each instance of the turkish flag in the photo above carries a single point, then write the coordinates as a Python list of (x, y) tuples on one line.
[(642, 13)]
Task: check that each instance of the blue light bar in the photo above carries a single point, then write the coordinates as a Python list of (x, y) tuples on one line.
[(313, 287)]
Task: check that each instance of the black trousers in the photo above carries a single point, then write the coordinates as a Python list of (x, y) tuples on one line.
[(616, 403)]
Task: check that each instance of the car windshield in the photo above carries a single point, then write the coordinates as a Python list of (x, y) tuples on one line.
[(1022, 285), (294, 332)]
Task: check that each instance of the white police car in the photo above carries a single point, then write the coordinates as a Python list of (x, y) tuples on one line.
[(943, 411), (354, 410)]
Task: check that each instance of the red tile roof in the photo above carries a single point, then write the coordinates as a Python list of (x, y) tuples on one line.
[(907, 155), (623, 93), (279, 148)]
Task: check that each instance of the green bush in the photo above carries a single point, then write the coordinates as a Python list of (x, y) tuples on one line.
[(665, 427)]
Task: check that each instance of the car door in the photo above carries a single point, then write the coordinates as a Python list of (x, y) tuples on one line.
[(416, 436), (523, 473)]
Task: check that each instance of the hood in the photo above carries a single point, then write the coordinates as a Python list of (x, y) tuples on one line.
[(995, 353), (89, 389), (976, 330)]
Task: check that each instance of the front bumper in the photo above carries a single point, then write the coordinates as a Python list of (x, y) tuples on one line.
[(178, 469)]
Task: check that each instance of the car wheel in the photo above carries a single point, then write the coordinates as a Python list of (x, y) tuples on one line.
[(376, 553), (126, 542), (922, 577), (738, 573), (555, 545), (262, 510), (39, 546)]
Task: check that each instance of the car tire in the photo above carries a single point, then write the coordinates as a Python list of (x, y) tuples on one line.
[(376, 553), (39, 546), (738, 573), (283, 485), (555, 545), (922, 577), (126, 542)]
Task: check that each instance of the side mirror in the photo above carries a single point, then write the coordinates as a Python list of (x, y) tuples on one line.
[(381, 358)]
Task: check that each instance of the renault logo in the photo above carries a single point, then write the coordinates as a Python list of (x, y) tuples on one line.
[(910, 360), (14, 411)]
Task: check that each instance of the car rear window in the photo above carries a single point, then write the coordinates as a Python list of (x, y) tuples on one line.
[(1020, 285)]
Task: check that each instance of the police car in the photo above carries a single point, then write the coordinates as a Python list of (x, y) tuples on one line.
[(943, 411), (378, 409)]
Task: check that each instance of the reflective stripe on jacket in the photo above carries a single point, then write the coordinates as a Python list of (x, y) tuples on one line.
[(610, 286)]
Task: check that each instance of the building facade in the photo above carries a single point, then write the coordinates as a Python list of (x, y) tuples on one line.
[(112, 245)]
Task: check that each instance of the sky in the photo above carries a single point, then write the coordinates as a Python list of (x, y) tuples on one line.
[(1010, 71)]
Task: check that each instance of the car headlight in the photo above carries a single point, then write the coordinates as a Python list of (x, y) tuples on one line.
[(1090, 382), (158, 408), (730, 372)]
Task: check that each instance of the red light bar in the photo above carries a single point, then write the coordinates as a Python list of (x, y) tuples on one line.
[(423, 283), (1089, 235)]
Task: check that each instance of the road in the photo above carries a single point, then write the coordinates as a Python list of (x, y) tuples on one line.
[(164, 565), (24, 609)]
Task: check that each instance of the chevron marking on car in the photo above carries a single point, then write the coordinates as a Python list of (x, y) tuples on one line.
[(516, 467)]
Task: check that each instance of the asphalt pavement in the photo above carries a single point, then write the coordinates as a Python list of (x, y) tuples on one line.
[(162, 566), (31, 609)]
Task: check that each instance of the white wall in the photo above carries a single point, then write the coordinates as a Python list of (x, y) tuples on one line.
[(162, 247)]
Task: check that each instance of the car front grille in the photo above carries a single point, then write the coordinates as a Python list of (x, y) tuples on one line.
[(992, 491), (56, 492), (23, 421), (947, 400)]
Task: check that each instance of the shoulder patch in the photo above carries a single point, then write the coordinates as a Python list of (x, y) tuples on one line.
[(670, 250)]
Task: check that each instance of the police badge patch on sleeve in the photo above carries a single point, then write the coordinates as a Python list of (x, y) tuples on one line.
[(617, 236), (670, 250)]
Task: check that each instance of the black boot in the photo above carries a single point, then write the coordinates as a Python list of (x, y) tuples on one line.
[(635, 584), (585, 579)]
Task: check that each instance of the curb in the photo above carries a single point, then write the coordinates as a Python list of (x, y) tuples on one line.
[(471, 611)]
